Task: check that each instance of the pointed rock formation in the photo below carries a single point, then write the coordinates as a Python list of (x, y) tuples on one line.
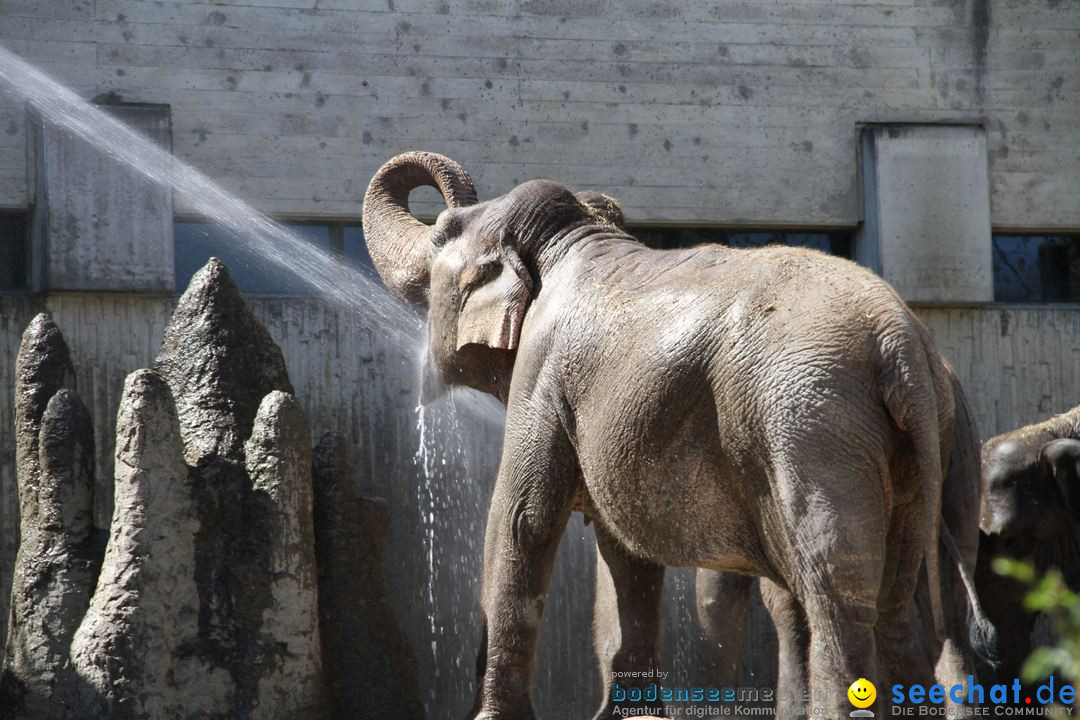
[(219, 362), (370, 670), (41, 369), (131, 649), (208, 601), (207, 606), (58, 558), (66, 453), (287, 643)]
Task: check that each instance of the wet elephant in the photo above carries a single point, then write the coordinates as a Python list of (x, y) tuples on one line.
[(775, 412)]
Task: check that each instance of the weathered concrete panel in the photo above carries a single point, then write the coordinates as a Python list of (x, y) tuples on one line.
[(927, 205), (98, 224), (1018, 364), (13, 180), (729, 112)]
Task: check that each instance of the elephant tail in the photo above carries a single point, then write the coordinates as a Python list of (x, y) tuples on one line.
[(928, 455), (982, 635), (908, 368), (960, 529)]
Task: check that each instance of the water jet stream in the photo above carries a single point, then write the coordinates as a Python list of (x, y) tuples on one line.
[(325, 274), (357, 290)]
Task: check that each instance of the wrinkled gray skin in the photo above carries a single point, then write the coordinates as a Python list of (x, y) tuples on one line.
[(1030, 475), (723, 598), (774, 412), (1031, 511)]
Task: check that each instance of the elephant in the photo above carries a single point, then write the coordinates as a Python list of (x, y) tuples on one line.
[(775, 412), (723, 599), (1031, 511)]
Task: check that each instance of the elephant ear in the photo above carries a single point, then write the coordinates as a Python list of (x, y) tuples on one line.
[(494, 308), (1063, 460)]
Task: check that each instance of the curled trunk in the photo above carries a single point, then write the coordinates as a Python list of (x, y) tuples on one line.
[(399, 244)]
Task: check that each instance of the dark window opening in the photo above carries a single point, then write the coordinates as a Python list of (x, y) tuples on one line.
[(197, 241), (1037, 268), (354, 248), (835, 242), (14, 250)]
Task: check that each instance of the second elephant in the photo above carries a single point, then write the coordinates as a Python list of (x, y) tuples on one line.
[(1031, 512)]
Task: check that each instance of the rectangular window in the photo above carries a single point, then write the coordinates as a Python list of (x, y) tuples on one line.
[(834, 242), (354, 248), (197, 241), (1037, 268), (14, 255)]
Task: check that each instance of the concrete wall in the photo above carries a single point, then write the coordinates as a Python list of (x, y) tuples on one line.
[(99, 225), (927, 212), (1018, 365), (720, 112)]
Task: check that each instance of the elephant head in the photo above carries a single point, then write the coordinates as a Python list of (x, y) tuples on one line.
[(1032, 485), (476, 269)]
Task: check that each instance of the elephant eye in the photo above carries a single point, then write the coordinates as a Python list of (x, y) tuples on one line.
[(480, 273)]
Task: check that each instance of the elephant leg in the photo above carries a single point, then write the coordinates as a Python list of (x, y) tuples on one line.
[(530, 507), (723, 607), (842, 649), (793, 637), (836, 574), (627, 617), (902, 658), (902, 649)]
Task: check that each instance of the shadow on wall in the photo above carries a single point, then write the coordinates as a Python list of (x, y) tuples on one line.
[(240, 578)]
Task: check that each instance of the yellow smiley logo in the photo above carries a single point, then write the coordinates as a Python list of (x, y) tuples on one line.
[(862, 693)]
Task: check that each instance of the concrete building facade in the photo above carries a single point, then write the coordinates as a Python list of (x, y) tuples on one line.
[(938, 138)]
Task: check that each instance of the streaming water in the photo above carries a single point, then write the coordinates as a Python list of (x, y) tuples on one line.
[(450, 499), (441, 463), (427, 458), (270, 240)]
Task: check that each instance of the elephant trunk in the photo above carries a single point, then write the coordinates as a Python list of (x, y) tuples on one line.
[(400, 244)]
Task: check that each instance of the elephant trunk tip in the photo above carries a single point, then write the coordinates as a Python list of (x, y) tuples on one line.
[(398, 242)]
